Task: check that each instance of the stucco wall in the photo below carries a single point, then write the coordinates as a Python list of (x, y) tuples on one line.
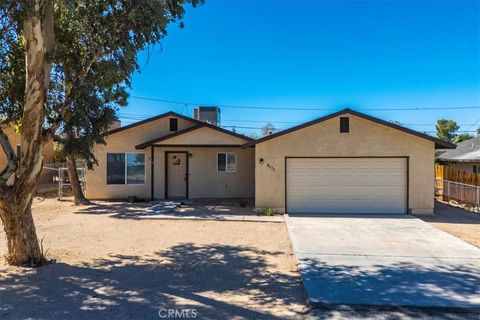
[(204, 135), (365, 139), (204, 180), (47, 152), (125, 141)]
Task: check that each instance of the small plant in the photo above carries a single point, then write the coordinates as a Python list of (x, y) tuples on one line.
[(268, 212)]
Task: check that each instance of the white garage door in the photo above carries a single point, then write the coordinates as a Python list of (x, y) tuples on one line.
[(347, 185)]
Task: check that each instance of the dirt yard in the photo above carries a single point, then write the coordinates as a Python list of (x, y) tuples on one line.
[(456, 221), (113, 266)]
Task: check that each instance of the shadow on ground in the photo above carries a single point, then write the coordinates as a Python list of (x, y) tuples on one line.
[(164, 209), (450, 214), (131, 287), (125, 210), (395, 284)]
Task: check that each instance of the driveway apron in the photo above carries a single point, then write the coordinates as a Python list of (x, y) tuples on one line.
[(384, 261)]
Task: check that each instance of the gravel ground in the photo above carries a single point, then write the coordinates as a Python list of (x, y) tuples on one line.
[(110, 266)]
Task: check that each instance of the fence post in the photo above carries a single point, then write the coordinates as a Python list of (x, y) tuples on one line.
[(461, 193), (477, 201), (448, 190), (60, 178)]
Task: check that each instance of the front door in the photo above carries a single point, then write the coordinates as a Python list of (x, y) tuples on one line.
[(177, 175)]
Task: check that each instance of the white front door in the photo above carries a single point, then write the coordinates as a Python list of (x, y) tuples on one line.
[(347, 185)]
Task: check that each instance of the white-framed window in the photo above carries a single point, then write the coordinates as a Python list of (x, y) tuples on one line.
[(226, 162), (126, 168)]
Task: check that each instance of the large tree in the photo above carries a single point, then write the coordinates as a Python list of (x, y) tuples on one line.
[(463, 137), (27, 25), (446, 129), (95, 55)]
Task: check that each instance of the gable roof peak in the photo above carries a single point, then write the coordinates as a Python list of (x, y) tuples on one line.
[(438, 143)]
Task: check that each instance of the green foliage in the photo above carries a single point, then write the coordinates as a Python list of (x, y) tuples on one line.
[(463, 137), (12, 64), (447, 130), (96, 47), (268, 212), (59, 152)]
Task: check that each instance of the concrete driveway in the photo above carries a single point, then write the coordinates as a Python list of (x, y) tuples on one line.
[(384, 261)]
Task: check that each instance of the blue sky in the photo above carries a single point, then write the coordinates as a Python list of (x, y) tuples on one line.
[(317, 54)]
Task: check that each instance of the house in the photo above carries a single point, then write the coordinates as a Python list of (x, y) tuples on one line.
[(465, 157), (46, 176), (172, 156), (346, 162)]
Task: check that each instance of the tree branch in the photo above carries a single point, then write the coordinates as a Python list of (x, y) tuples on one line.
[(63, 109), (11, 165)]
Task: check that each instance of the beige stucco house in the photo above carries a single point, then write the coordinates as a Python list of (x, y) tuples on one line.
[(172, 156), (14, 137), (346, 162)]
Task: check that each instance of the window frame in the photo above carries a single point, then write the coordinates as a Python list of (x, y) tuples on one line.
[(226, 162), (344, 124), (175, 122), (125, 169)]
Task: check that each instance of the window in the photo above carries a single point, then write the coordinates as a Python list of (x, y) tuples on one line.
[(115, 168), (125, 168), (476, 168), (135, 168), (344, 124), (226, 162), (173, 124)]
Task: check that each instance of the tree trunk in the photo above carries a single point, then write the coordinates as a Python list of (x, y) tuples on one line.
[(78, 196), (16, 198), (22, 242)]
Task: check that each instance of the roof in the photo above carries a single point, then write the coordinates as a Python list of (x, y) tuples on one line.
[(438, 143), (163, 115), (466, 151), (198, 126)]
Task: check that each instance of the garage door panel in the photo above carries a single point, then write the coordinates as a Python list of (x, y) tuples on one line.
[(349, 207), (353, 185), (314, 181), (352, 193)]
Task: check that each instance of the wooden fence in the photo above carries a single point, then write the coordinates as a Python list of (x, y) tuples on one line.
[(455, 175), (459, 186)]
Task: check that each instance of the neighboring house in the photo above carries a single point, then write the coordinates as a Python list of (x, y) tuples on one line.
[(465, 157), (46, 176), (346, 162)]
